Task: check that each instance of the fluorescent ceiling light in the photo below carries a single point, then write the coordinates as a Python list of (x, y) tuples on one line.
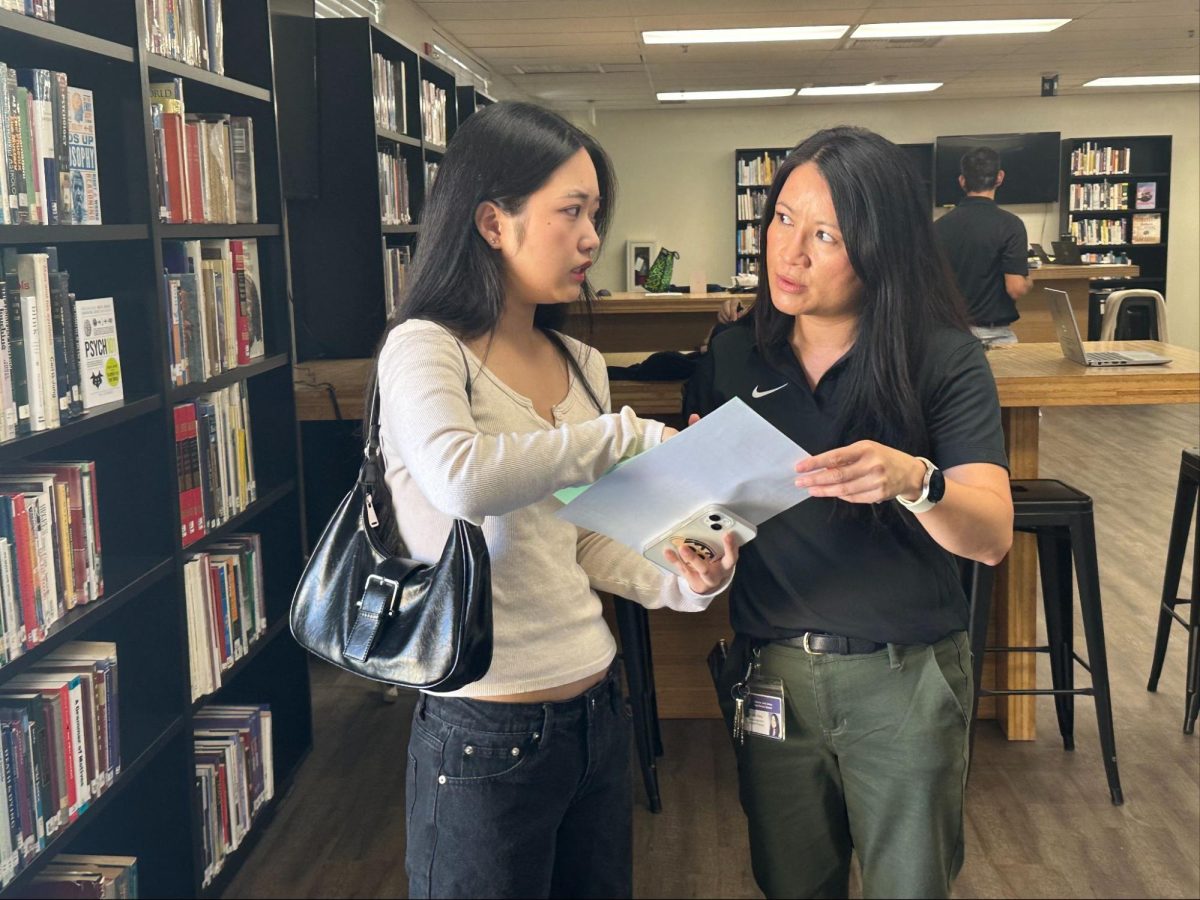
[(944, 29), (838, 89), (746, 35), (1136, 80), (727, 95)]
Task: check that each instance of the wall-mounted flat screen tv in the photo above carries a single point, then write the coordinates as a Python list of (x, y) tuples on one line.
[(1030, 162)]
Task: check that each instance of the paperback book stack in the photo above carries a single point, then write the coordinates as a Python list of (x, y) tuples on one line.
[(235, 776), (394, 200), (433, 113), (86, 876), (226, 608), (50, 555), (204, 164), (61, 733), (214, 307), (191, 31), (214, 459), (390, 109), (49, 173), (38, 9)]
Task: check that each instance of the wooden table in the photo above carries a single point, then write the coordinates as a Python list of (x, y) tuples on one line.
[(1028, 376)]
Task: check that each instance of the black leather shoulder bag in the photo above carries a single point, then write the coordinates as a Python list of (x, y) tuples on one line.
[(373, 612)]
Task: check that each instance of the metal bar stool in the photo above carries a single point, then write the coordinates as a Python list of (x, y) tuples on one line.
[(633, 624), (1185, 506), (1061, 519)]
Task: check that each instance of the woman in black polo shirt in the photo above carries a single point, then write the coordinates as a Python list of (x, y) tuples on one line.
[(850, 603)]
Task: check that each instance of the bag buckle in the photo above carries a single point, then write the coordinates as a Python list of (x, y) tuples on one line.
[(389, 586), (809, 650)]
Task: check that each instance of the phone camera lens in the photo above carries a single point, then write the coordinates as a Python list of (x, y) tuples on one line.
[(714, 517), (716, 526)]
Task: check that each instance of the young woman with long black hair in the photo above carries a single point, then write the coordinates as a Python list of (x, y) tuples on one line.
[(850, 603), (518, 784)]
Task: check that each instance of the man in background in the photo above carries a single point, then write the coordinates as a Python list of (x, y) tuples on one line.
[(987, 249)]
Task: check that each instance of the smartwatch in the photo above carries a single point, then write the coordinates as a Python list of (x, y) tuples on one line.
[(933, 489)]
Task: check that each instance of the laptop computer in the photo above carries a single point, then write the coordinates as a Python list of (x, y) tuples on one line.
[(1072, 343), (1066, 253), (1036, 250)]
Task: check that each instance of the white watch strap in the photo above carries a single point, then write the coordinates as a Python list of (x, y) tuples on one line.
[(922, 503)]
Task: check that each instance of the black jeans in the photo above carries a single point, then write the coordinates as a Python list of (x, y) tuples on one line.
[(520, 800)]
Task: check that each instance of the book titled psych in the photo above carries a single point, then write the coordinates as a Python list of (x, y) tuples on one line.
[(99, 354), (81, 152)]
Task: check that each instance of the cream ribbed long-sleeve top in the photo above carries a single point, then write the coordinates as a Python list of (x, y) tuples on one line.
[(492, 459)]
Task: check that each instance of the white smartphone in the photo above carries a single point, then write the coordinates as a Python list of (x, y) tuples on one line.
[(703, 532)]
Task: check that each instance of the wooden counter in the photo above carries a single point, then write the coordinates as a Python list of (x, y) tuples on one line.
[(628, 322)]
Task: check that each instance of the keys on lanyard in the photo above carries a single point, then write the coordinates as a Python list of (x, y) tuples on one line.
[(740, 692)]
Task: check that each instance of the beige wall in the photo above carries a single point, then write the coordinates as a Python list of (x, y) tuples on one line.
[(675, 167)]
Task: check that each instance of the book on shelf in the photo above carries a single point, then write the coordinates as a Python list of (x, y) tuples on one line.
[(71, 875), (1147, 195), (394, 197), (396, 262), (101, 377), (234, 754), (40, 374), (433, 113), (204, 163), (191, 31), (50, 549), (214, 461), (213, 292), (1147, 228), (48, 168), (84, 164), (391, 107), (38, 9), (1092, 158), (758, 171), (60, 728), (226, 608)]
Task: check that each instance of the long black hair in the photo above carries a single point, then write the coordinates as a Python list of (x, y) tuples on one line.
[(908, 291), (501, 154)]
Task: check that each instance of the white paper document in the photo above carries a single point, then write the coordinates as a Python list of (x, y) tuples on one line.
[(733, 457)]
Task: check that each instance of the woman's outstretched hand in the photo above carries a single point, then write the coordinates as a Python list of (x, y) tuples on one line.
[(863, 472)]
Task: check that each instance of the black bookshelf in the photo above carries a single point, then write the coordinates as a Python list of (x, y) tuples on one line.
[(1149, 162), (151, 811), (471, 100), (750, 193), (338, 238)]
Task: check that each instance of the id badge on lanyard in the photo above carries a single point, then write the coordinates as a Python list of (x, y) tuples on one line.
[(759, 704)]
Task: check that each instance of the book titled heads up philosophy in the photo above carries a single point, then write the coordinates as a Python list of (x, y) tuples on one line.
[(99, 355)]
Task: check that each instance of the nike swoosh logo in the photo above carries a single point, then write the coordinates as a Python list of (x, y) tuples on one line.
[(756, 393)]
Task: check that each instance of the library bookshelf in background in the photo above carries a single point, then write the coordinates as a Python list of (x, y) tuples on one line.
[(153, 810), (350, 245), (1116, 202), (753, 171), (346, 242)]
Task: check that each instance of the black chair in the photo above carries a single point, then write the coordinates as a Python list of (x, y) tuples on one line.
[(1061, 519), (633, 624), (1185, 506)]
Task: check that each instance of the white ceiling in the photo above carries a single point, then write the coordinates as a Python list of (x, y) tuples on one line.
[(570, 52)]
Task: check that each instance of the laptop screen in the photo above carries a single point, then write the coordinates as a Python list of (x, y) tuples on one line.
[(1066, 326)]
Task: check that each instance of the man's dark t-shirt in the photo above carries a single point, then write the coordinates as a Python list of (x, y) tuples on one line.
[(984, 243), (816, 567)]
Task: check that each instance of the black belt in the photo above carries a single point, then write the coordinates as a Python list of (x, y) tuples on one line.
[(994, 324), (819, 644)]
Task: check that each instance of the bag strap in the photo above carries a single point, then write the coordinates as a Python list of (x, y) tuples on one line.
[(371, 468), (575, 367)]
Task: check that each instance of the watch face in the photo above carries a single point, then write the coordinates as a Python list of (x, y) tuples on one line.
[(937, 486)]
